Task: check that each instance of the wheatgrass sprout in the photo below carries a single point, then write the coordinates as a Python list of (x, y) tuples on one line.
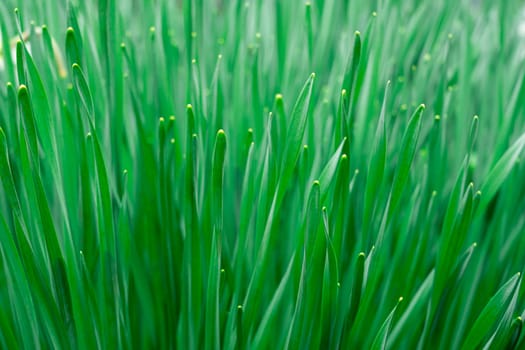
[(202, 174)]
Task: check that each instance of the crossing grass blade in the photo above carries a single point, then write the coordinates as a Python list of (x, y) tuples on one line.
[(452, 242), (295, 133), (380, 341), (490, 314), (417, 306), (291, 150)]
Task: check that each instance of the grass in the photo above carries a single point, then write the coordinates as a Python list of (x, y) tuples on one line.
[(264, 174)]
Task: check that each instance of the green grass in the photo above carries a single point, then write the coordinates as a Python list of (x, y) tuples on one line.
[(201, 174)]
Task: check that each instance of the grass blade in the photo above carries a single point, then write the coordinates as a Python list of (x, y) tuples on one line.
[(490, 314), (381, 338)]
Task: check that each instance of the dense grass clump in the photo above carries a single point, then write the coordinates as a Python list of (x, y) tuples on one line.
[(202, 174)]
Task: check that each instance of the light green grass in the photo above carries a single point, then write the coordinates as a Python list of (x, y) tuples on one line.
[(203, 174)]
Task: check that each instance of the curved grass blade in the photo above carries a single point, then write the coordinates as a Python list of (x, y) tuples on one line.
[(295, 133), (450, 287), (415, 308), (491, 314), (18, 290), (41, 108), (381, 338), (406, 155), (271, 312), (515, 334), (84, 93), (329, 171), (499, 173)]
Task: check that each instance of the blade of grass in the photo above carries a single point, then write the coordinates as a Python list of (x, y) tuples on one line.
[(490, 314)]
